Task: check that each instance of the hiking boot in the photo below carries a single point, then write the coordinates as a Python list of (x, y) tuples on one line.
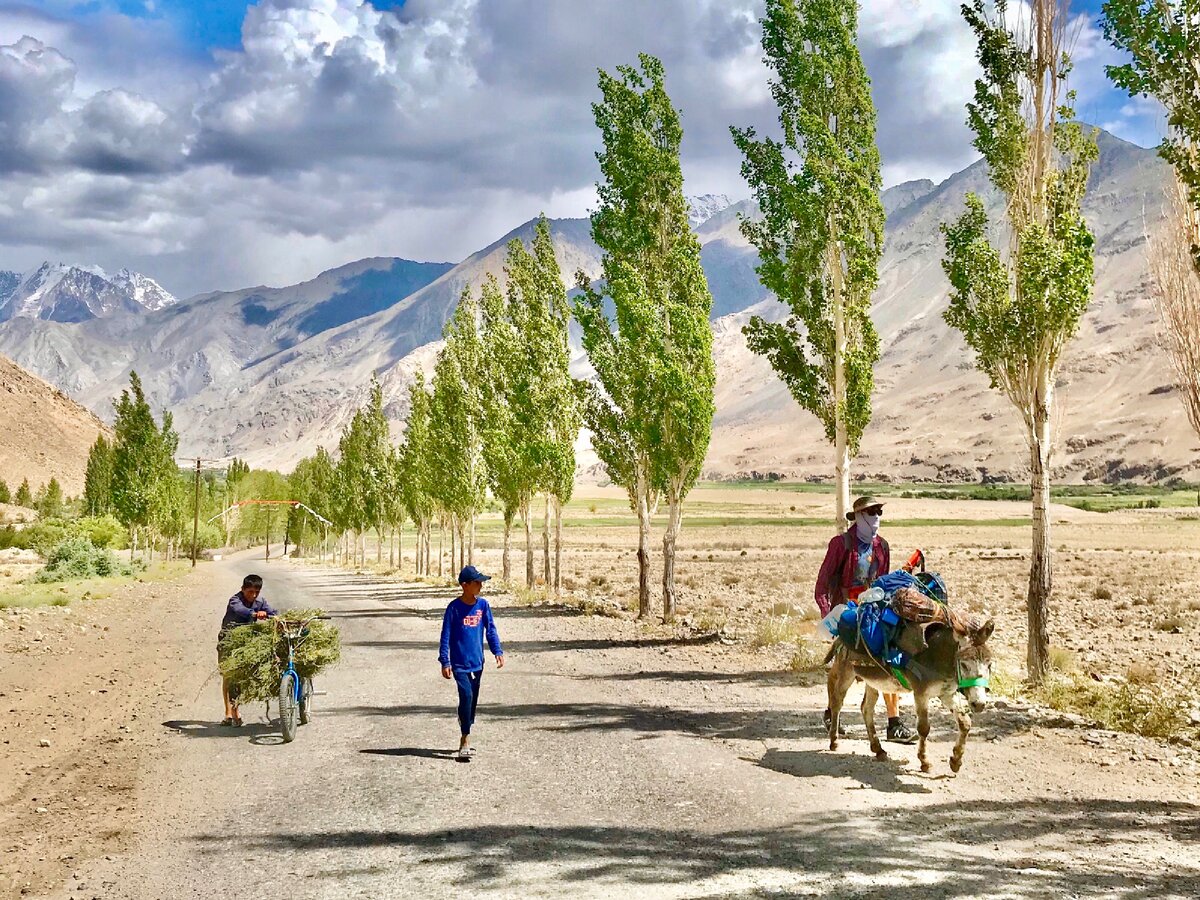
[(899, 733), (826, 719)]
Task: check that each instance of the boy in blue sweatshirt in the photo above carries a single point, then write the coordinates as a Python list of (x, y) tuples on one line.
[(468, 620)]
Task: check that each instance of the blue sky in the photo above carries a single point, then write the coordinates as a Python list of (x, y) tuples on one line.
[(216, 143)]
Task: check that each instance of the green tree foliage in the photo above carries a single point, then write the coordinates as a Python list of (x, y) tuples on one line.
[(312, 483), (238, 469), (417, 474), (376, 471), (1018, 309), (650, 410), (97, 483), (24, 496), (50, 503), (137, 460), (507, 409), (821, 233), (456, 410), (5, 494), (1163, 39)]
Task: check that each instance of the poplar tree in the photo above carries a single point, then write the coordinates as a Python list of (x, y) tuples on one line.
[(417, 477), (97, 482), (821, 233), (50, 503), (650, 410), (457, 413), (1017, 306), (24, 496), (5, 494), (375, 465), (504, 397), (136, 460), (563, 419), (1163, 40)]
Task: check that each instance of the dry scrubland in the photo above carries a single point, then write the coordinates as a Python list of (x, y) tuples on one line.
[(1127, 583)]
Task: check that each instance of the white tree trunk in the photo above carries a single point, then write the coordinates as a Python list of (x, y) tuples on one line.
[(841, 462), (643, 511), (558, 544), (526, 516), (1041, 559), (674, 520), (506, 561), (547, 576)]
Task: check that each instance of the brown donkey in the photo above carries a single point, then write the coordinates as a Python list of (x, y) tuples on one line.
[(953, 667)]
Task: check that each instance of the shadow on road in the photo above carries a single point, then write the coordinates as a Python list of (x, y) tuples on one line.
[(882, 776), (419, 752), (547, 646), (198, 729), (950, 850)]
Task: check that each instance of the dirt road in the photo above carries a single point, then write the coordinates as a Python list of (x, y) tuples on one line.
[(613, 761)]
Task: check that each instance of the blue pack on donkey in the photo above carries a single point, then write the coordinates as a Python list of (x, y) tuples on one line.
[(902, 635)]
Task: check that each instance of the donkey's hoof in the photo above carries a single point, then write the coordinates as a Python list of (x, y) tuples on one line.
[(926, 768), (881, 754), (833, 745), (955, 763)]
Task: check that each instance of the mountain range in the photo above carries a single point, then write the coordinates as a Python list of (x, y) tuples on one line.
[(58, 292), (269, 374)]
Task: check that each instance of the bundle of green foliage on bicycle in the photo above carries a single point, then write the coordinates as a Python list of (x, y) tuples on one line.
[(254, 655)]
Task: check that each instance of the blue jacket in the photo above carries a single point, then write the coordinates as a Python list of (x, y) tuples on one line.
[(463, 630)]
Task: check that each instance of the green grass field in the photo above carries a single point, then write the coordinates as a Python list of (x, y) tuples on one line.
[(1095, 497)]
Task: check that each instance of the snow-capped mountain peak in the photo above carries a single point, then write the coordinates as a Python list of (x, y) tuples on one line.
[(703, 207), (69, 293), (145, 291)]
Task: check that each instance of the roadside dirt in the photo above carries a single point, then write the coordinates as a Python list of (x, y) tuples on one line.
[(615, 759)]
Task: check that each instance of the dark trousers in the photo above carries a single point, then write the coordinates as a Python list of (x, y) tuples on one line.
[(468, 697)]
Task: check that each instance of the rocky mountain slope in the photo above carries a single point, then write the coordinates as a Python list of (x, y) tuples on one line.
[(270, 374), (935, 416), (43, 434)]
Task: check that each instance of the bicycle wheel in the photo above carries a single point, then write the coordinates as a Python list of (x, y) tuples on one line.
[(287, 707), (306, 693)]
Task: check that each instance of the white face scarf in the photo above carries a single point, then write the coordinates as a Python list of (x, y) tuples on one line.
[(866, 526)]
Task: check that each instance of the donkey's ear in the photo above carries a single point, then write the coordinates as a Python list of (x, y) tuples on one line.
[(982, 633)]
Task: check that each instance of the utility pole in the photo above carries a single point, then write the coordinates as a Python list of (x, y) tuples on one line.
[(196, 514)]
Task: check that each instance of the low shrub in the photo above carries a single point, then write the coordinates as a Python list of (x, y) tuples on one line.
[(775, 630), (1102, 593), (809, 656), (77, 558), (1154, 709)]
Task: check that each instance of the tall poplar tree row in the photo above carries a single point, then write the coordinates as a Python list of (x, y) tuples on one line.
[(1018, 305), (545, 409), (650, 411), (821, 233)]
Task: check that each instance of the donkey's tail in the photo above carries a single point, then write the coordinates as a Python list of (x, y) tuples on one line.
[(834, 649)]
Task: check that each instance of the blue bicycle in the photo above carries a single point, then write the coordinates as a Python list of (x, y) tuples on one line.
[(295, 693)]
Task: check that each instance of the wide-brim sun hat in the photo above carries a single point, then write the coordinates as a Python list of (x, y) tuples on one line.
[(862, 503)]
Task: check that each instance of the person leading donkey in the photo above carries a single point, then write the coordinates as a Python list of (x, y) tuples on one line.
[(855, 558)]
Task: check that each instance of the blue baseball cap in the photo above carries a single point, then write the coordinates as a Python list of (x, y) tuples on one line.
[(470, 573)]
